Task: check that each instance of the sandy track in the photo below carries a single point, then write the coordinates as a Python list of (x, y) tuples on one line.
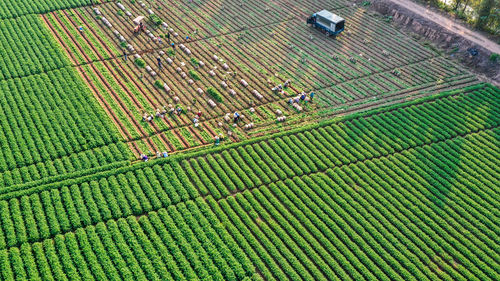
[(450, 24)]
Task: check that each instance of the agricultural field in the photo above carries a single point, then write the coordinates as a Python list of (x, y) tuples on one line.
[(389, 172), (351, 72)]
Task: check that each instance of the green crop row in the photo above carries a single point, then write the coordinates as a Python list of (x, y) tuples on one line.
[(175, 243), (374, 219), (11, 9), (404, 194), (48, 120), (343, 143), (27, 48), (50, 171)]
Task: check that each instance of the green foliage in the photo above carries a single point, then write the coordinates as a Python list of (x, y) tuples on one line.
[(140, 63), (194, 61), (494, 57), (155, 19), (18, 8), (370, 196), (214, 94), (31, 51), (159, 84), (194, 75), (484, 12)]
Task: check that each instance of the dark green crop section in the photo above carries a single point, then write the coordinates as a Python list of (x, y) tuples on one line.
[(16, 8), (409, 192), (28, 48)]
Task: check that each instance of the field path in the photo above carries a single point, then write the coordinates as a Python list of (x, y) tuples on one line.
[(450, 25)]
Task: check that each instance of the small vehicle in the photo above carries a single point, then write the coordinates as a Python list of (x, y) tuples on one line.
[(327, 21), (139, 24)]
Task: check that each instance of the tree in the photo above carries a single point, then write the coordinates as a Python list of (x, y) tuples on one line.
[(484, 12)]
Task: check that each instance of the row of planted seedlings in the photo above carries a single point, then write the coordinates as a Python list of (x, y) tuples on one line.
[(73, 32), (317, 200), (224, 16), (143, 100), (73, 52), (412, 77), (93, 75), (380, 53), (308, 7), (190, 97), (366, 29), (336, 138), (438, 68), (263, 87), (48, 135), (446, 230), (94, 33), (84, 37)]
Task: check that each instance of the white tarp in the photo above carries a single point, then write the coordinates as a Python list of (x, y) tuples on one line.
[(138, 19)]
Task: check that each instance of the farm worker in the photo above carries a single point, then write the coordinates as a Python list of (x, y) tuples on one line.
[(158, 154), (159, 62), (290, 101), (124, 55), (199, 114), (236, 117), (168, 37), (221, 136), (144, 157), (195, 120), (179, 110), (312, 96), (187, 38), (80, 28), (165, 154), (303, 96), (159, 40), (217, 140)]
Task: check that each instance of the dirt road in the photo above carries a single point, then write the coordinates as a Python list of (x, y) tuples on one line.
[(449, 24)]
